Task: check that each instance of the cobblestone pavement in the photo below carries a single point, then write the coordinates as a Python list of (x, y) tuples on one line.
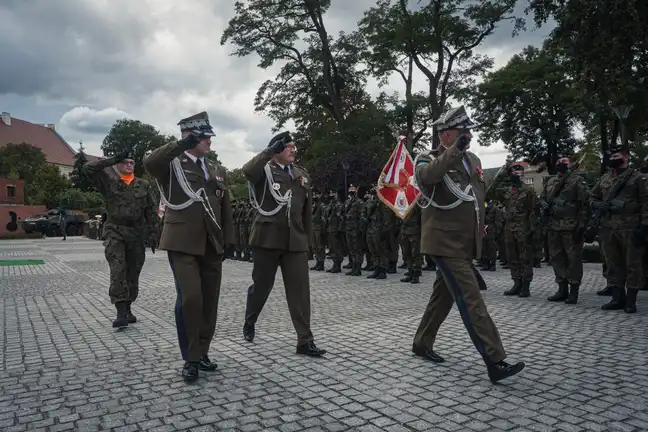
[(63, 367)]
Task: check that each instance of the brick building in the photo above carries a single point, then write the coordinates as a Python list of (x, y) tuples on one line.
[(13, 209)]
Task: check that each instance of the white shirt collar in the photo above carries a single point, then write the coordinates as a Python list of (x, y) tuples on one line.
[(203, 164)]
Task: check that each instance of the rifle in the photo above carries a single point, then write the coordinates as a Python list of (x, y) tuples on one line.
[(546, 211), (595, 221), (499, 172)]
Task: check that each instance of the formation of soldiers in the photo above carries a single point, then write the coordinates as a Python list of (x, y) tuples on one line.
[(354, 226)]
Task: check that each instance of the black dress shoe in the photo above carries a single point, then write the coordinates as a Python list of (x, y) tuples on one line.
[(206, 364), (427, 354), (190, 371), (310, 349), (248, 333), (503, 370)]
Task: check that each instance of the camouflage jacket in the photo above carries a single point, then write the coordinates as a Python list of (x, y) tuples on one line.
[(373, 215), (353, 214), (569, 198), (130, 208), (412, 223), (318, 214), (521, 209), (629, 209)]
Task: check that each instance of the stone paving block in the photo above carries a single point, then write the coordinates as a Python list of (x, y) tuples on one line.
[(63, 367)]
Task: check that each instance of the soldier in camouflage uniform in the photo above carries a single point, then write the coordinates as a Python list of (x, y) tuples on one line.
[(537, 246), (501, 245), (364, 224), (132, 224), (333, 224), (411, 234), (343, 199), (236, 213), (521, 214), (374, 217), (492, 221), (391, 227), (353, 216), (319, 250), (565, 201), (623, 228)]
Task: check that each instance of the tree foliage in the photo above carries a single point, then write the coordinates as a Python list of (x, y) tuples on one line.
[(135, 136), (79, 179), (47, 185), (603, 45), (529, 104)]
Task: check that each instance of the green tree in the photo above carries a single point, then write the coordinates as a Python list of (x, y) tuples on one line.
[(47, 185), (237, 184), (76, 199), (318, 70), (78, 178), (604, 46), (441, 37), (135, 136), (21, 161), (529, 104)]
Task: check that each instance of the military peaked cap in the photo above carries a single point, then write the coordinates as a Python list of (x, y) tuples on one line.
[(517, 167), (284, 137), (198, 124), (616, 148), (454, 118)]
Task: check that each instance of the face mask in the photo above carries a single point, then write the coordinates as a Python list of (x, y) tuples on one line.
[(615, 163), (562, 167), (515, 179)]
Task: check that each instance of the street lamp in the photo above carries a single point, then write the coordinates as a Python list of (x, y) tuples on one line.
[(623, 112)]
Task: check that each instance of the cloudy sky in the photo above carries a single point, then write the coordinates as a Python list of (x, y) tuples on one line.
[(82, 64)]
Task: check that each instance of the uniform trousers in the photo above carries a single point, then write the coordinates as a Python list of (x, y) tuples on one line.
[(198, 282), (294, 270), (456, 283)]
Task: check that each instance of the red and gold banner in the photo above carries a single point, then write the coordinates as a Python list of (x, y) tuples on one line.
[(395, 186)]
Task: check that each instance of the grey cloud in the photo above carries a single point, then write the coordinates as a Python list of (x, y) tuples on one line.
[(88, 121)]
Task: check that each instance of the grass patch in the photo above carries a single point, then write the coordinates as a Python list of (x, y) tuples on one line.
[(20, 262)]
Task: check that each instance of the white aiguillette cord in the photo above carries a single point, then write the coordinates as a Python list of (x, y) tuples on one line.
[(466, 195), (281, 200), (194, 196)]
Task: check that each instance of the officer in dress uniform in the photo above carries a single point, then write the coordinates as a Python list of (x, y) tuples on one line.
[(198, 233), (452, 222), (280, 236)]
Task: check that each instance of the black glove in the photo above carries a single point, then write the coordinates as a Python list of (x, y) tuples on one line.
[(590, 235), (462, 142), (544, 205), (279, 142), (578, 235), (639, 236), (190, 141)]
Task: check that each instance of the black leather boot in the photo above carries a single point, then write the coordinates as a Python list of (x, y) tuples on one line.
[(607, 291), (122, 315), (132, 319), (524, 289), (408, 276), (382, 273), (618, 299), (310, 349), (391, 269), (375, 273), (415, 277), (515, 290), (573, 294), (562, 293), (631, 301), (403, 266), (357, 269), (190, 371), (336, 267), (349, 264)]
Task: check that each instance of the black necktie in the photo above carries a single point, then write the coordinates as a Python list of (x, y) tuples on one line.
[(199, 163)]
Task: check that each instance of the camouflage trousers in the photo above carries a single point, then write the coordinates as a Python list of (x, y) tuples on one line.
[(319, 248), (624, 260), (377, 248), (489, 249), (335, 248), (519, 254), (353, 243), (392, 245), (411, 245), (501, 246), (566, 257), (125, 259)]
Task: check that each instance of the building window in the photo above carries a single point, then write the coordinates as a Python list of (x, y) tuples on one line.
[(11, 191), (528, 180)]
